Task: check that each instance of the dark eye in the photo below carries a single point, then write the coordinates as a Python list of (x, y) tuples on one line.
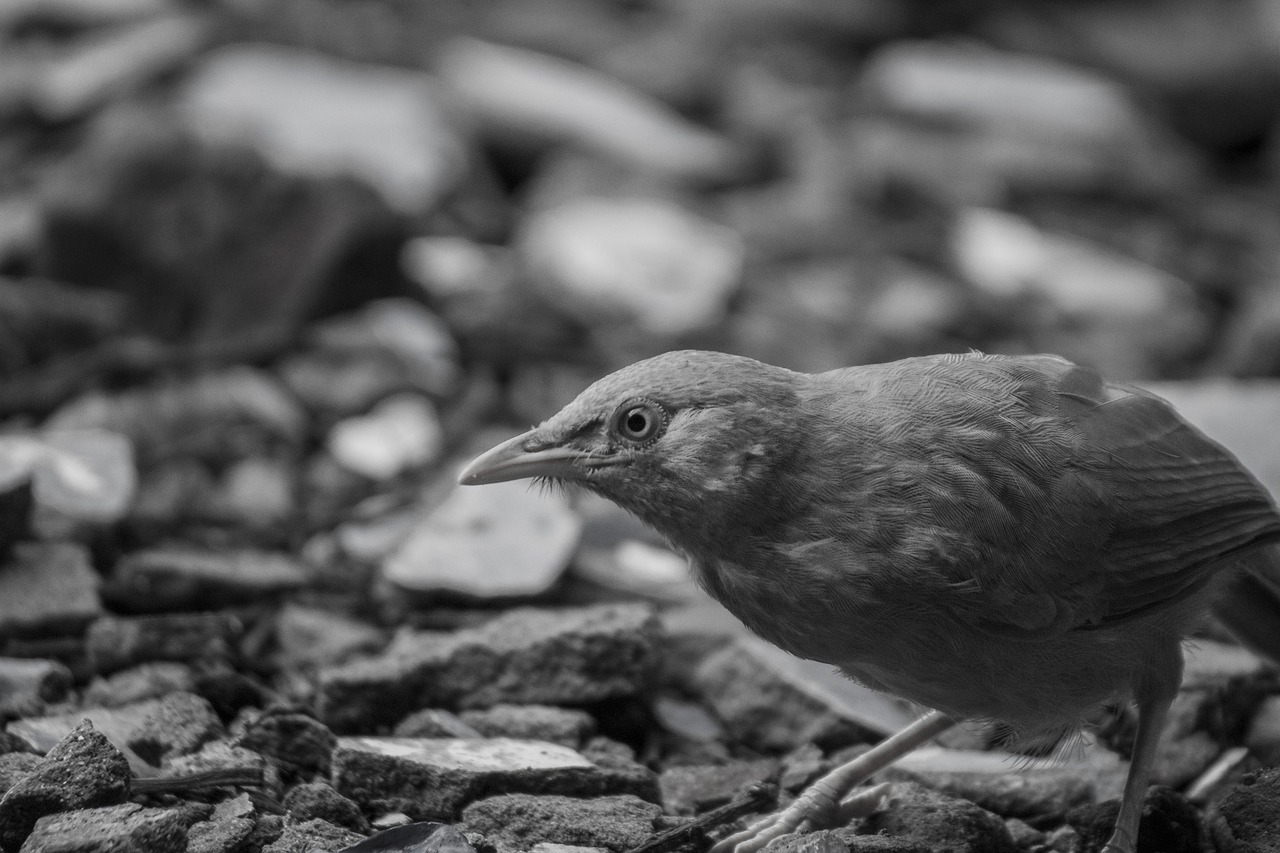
[(639, 421)]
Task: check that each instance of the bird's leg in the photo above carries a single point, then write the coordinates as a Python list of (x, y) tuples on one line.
[(1153, 711), (823, 797)]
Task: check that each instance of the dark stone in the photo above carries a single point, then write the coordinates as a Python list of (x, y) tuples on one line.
[(318, 799), (1169, 824)]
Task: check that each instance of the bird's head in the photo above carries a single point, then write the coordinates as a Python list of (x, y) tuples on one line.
[(687, 441)]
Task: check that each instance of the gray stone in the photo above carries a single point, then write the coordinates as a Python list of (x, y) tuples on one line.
[(178, 724), (432, 779), (435, 723), (162, 579), (83, 770), (139, 683), (520, 821), (1247, 820), (27, 684), (117, 642), (565, 726), (47, 589), (123, 828), (319, 800), (946, 824), (314, 834), (545, 656), (689, 789)]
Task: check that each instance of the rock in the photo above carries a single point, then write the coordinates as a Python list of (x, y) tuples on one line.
[(78, 477), (47, 589), (221, 755), (539, 98), (497, 542), (1247, 820), (434, 723), (115, 643), (565, 726), (230, 826), (291, 739), (83, 770), (27, 685), (178, 724), (14, 767), (1169, 823), (435, 778), (319, 800), (400, 434), (552, 656), (323, 117), (690, 789), (776, 702), (946, 824), (15, 509), (1039, 793), (123, 827), (633, 266), (257, 493), (165, 727), (616, 823), (108, 217), (314, 834), (184, 578), (308, 637)]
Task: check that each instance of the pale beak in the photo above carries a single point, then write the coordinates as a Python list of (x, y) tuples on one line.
[(512, 461)]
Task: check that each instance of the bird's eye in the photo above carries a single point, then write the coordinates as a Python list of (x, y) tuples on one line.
[(639, 421)]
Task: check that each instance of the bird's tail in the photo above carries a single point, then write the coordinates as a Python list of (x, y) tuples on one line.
[(1249, 605)]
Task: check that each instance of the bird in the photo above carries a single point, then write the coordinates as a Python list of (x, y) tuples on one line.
[(1009, 539)]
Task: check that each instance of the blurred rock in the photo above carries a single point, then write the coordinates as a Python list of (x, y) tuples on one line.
[(294, 740), (177, 724), (777, 702), (691, 789), (434, 723), (81, 770), (27, 686), (1169, 823), (565, 726), (210, 244), (145, 681), (175, 578), (47, 590), (633, 266), (114, 643), (400, 434), (318, 116), (1213, 70), (314, 834), (1094, 306), (15, 508), (501, 541), (108, 63), (968, 123), (434, 778), (946, 824), (554, 656), (540, 98), (1263, 737), (617, 823), (308, 637), (45, 319), (217, 416), (80, 13), (78, 476)]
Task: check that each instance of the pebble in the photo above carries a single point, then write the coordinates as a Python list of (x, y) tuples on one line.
[(946, 824), (434, 779), (78, 476), (118, 642), (503, 541), (314, 834), (308, 637), (565, 726), (1247, 819)]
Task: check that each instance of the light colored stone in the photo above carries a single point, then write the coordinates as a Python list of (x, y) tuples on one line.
[(401, 433)]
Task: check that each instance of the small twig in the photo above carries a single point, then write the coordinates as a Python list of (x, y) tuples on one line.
[(759, 797), (217, 778)]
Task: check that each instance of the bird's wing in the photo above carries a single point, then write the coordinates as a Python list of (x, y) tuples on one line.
[(1142, 511)]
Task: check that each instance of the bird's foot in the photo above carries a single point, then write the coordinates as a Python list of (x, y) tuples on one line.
[(816, 808), (1120, 842)]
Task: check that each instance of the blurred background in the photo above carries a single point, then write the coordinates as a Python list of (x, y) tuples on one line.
[(271, 258)]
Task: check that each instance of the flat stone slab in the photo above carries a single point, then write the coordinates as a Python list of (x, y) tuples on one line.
[(434, 778)]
